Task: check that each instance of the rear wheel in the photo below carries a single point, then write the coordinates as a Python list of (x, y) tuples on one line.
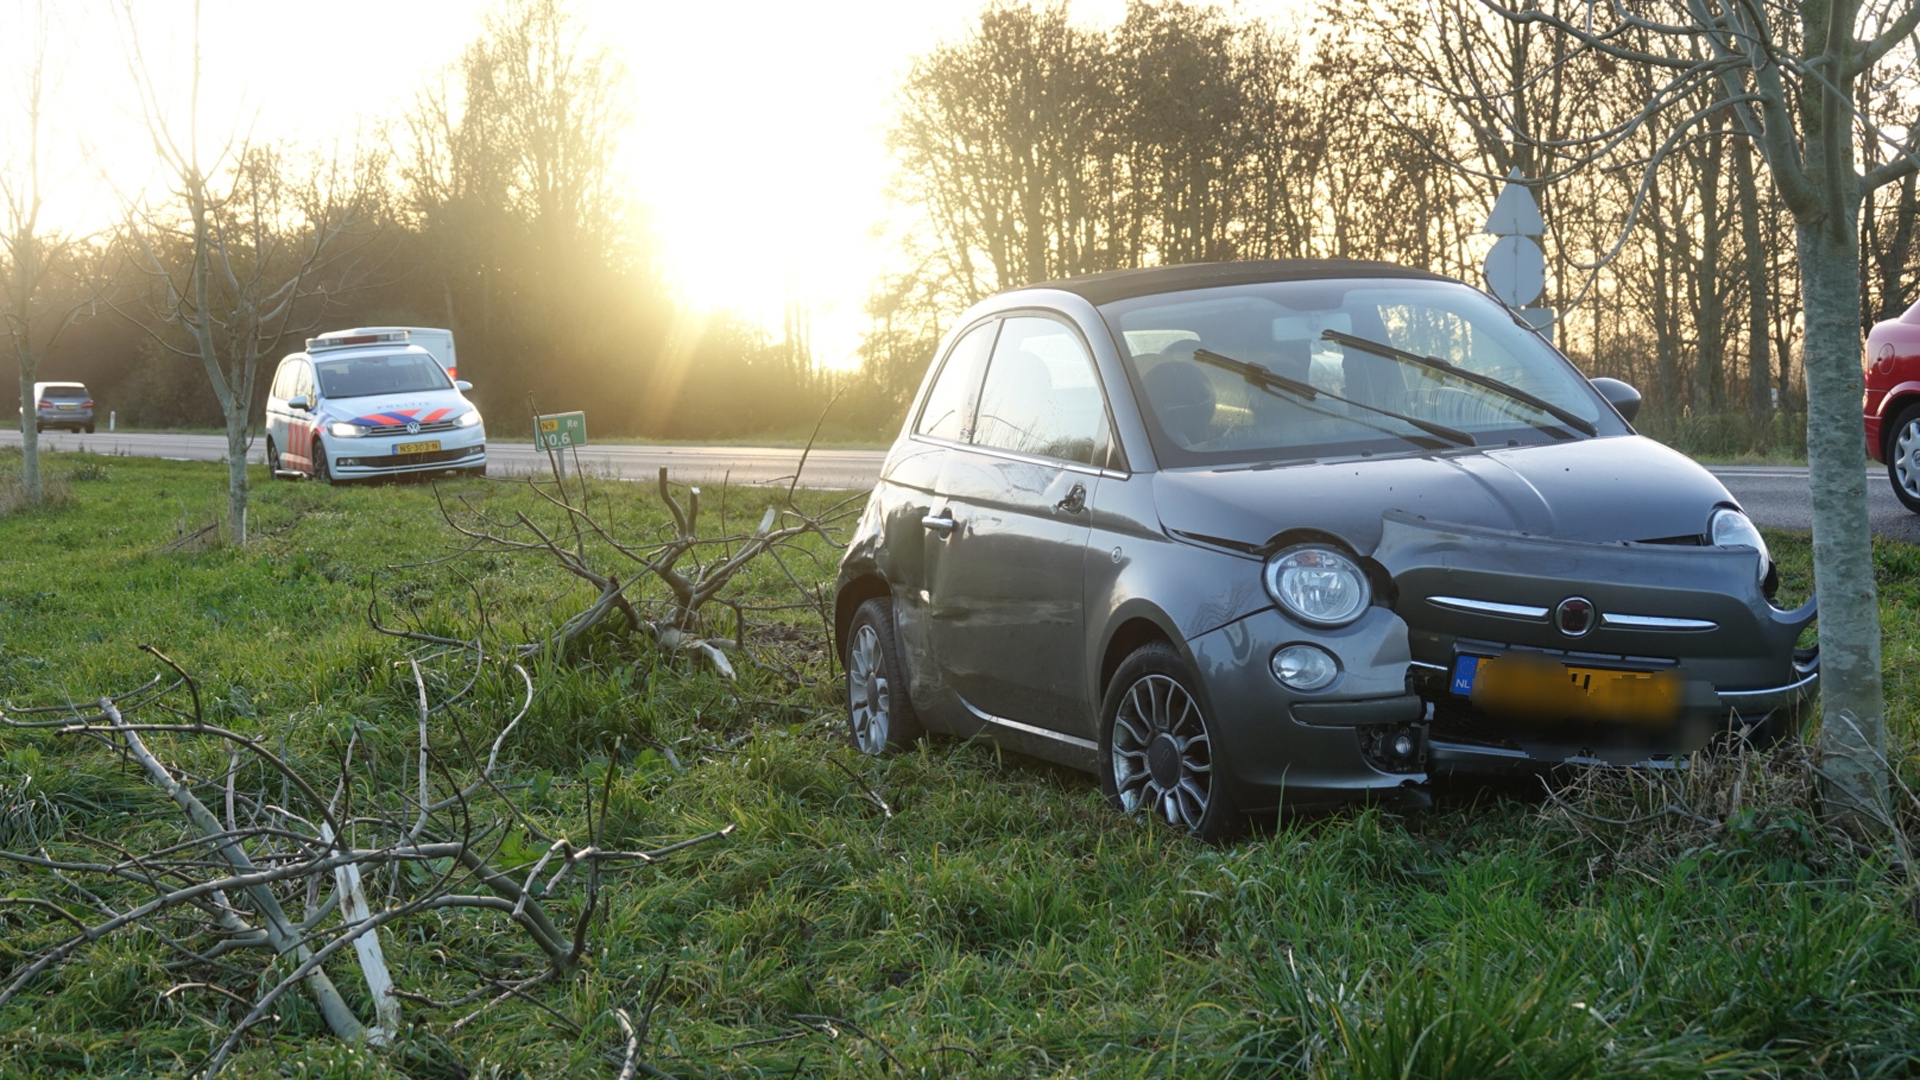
[(879, 716), (89, 429), (38, 427), (1156, 747), (1903, 457), (273, 460)]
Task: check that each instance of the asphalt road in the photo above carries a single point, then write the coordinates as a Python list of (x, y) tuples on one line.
[(1775, 496)]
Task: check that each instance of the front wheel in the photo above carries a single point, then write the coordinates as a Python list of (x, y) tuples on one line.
[(320, 470), (1903, 458), (273, 460), (879, 716), (1156, 747)]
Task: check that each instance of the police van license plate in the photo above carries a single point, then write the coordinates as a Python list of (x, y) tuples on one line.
[(427, 447), (1530, 685)]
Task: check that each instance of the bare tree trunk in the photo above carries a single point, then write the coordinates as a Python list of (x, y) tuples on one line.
[(237, 491), (1759, 291), (1710, 374), (1853, 733), (29, 432)]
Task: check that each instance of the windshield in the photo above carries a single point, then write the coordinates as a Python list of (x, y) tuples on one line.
[(1208, 413), (399, 373)]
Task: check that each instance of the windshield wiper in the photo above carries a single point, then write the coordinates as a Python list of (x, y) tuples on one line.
[(1273, 380), (1577, 423)]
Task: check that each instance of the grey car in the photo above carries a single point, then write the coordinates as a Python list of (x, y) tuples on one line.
[(62, 405), (1241, 536)]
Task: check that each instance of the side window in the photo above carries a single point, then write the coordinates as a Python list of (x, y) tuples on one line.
[(283, 382), (1041, 395), (949, 408), (303, 382)]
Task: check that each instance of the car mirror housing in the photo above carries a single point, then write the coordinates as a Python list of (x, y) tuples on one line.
[(299, 402), (462, 385), (1622, 396)]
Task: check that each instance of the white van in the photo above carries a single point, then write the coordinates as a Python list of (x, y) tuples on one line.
[(358, 404), (436, 341)]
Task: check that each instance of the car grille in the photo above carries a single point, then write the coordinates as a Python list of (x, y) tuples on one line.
[(401, 429)]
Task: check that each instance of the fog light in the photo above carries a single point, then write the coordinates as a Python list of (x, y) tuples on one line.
[(1305, 667)]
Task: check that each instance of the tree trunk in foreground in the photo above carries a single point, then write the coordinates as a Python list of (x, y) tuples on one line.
[(1853, 732)]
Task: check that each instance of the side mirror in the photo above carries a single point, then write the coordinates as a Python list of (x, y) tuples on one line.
[(1621, 396), (299, 401), (462, 385)]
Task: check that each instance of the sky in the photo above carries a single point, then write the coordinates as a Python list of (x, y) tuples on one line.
[(758, 142)]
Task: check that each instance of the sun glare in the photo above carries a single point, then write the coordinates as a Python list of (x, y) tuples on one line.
[(757, 146)]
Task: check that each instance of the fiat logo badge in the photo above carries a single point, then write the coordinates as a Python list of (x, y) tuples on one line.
[(413, 427), (1574, 616)]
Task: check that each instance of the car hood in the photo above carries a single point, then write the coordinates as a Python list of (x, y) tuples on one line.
[(1597, 490), (390, 409)]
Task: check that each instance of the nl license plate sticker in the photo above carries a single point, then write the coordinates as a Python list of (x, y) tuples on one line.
[(1529, 685), (427, 447)]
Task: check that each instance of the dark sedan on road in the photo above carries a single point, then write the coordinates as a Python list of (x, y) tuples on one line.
[(1248, 535)]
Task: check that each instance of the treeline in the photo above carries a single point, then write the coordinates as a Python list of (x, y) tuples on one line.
[(495, 207), (1041, 149), (1032, 147)]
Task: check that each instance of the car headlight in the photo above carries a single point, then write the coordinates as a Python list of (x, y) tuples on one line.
[(340, 429), (469, 418), (1318, 586), (1728, 527)]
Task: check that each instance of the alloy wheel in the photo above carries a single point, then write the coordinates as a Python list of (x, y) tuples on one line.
[(1162, 755), (869, 694), (1906, 457)]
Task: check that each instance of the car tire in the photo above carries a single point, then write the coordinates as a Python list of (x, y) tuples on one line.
[(39, 428), (273, 460), (320, 471), (1156, 747), (880, 717), (1903, 457), (89, 429)]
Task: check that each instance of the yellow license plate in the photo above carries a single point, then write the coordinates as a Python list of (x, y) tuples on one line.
[(1532, 686), (427, 447)]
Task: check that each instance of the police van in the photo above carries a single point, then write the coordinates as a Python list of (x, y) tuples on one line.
[(370, 403)]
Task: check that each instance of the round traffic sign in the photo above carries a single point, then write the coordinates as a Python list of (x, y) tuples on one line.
[(1516, 270)]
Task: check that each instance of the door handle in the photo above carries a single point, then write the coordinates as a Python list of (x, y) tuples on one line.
[(941, 523), (1075, 502)]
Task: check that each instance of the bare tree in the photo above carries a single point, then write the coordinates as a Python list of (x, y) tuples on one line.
[(1001, 143), (1787, 70), (243, 255), (36, 306), (511, 168)]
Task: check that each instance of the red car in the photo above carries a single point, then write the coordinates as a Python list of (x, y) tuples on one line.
[(1892, 402)]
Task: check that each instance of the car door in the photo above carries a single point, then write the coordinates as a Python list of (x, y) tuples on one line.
[(301, 425), (1007, 589), (917, 521)]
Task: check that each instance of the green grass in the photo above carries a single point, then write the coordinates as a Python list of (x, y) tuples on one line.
[(994, 919)]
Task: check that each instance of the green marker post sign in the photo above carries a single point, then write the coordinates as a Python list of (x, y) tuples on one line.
[(559, 431)]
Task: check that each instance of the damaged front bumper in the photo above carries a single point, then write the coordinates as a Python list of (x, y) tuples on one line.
[(1398, 717)]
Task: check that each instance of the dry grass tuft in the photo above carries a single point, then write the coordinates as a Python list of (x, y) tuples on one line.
[(55, 494), (1743, 814)]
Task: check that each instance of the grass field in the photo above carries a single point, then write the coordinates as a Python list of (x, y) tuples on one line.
[(951, 912)]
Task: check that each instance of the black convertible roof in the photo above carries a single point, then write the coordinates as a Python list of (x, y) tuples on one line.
[(1123, 284)]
